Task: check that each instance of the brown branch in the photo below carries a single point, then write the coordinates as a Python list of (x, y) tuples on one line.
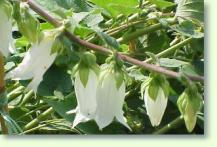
[(2, 90), (104, 50)]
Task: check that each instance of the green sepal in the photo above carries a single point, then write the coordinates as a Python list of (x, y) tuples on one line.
[(153, 89), (83, 74), (87, 62), (144, 85), (74, 70), (95, 68), (164, 84), (26, 20), (58, 45), (88, 59), (119, 78)]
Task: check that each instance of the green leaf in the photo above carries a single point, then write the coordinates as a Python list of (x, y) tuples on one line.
[(18, 115), (191, 10), (154, 42), (116, 7), (189, 69), (63, 106), (171, 63), (108, 39), (187, 28), (21, 42), (54, 9), (93, 19), (77, 5), (51, 83), (162, 4)]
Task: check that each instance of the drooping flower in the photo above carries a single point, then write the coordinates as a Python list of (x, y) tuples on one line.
[(155, 98), (36, 62), (189, 104), (110, 98), (6, 40), (86, 80)]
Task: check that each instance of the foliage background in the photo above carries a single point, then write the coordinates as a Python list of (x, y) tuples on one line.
[(53, 92)]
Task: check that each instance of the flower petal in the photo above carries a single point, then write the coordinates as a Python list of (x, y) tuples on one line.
[(35, 63), (120, 101), (5, 34), (110, 102), (86, 98), (79, 118), (106, 108)]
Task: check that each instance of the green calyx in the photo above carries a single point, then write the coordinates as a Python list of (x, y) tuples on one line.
[(58, 45), (25, 20), (189, 103), (7, 7), (116, 67), (87, 62), (153, 84)]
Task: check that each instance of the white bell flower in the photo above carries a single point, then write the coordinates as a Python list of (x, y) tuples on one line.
[(35, 63), (86, 98), (110, 100), (6, 40), (155, 108)]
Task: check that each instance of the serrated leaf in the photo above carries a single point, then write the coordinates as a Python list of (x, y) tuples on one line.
[(191, 10), (187, 28)]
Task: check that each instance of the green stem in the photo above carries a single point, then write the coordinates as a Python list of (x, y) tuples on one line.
[(15, 93), (33, 129), (27, 97), (41, 117), (172, 49), (144, 31), (173, 124), (166, 52)]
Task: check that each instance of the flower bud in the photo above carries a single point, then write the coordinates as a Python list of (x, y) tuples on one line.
[(189, 103), (155, 98)]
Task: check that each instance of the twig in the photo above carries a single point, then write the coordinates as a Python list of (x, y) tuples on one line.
[(104, 50), (41, 117), (170, 126), (2, 90)]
